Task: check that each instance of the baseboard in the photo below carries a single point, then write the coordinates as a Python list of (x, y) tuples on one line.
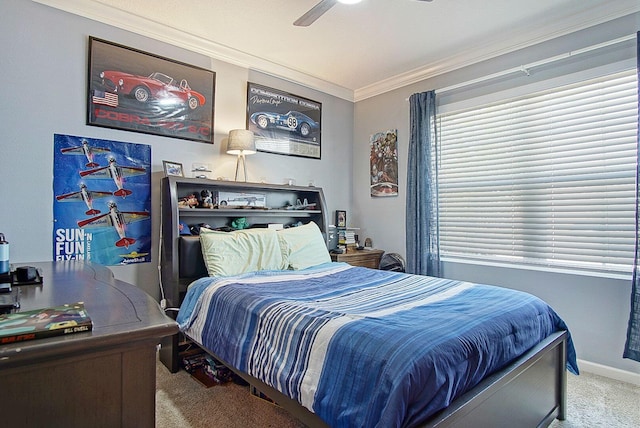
[(610, 372)]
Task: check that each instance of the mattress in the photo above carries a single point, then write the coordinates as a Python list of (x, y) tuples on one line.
[(363, 347)]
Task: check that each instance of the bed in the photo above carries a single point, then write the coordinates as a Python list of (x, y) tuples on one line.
[(345, 346)]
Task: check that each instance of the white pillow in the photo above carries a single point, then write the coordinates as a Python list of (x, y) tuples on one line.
[(240, 251), (303, 246)]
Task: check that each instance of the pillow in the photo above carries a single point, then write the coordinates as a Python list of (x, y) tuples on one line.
[(303, 246), (240, 251)]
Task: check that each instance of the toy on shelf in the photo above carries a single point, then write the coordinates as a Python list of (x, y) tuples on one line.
[(188, 201)]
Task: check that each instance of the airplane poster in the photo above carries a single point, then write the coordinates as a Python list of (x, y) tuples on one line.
[(101, 201)]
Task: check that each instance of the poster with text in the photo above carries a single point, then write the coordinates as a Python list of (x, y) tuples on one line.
[(383, 160), (138, 91), (284, 123), (101, 201)]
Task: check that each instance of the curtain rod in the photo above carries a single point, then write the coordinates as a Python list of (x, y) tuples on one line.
[(525, 68)]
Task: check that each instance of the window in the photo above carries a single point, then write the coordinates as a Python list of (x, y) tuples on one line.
[(547, 179)]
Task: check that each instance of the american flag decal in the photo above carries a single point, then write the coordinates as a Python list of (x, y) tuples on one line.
[(105, 98)]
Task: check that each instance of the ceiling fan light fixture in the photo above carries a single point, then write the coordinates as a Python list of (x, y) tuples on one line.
[(318, 10)]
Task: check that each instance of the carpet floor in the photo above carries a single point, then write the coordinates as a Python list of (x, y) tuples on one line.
[(181, 401)]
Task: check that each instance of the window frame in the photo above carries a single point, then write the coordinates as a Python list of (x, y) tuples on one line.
[(619, 272)]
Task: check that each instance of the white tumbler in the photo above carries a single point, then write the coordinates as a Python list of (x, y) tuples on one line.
[(4, 255)]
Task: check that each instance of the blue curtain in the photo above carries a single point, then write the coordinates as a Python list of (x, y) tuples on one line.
[(632, 347), (422, 243)]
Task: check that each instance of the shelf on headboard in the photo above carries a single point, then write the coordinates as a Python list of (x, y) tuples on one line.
[(276, 198), (239, 212)]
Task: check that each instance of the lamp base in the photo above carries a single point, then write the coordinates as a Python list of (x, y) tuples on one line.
[(244, 165)]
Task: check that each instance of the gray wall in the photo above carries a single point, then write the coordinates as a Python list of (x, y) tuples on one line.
[(44, 68), (596, 309)]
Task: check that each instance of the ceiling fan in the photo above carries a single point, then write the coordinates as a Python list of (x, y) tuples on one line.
[(319, 9)]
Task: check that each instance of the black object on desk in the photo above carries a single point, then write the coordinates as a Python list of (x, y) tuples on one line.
[(26, 274), (9, 294), (5, 278), (22, 275), (8, 301)]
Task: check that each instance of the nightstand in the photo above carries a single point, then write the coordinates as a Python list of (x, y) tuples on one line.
[(365, 258)]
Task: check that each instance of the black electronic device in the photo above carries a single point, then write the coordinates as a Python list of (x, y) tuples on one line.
[(5, 278), (26, 275), (8, 303)]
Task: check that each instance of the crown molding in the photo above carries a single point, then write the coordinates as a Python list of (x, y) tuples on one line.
[(594, 16), (140, 25), (100, 12)]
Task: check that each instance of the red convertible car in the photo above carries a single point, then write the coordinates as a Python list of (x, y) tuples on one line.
[(157, 86)]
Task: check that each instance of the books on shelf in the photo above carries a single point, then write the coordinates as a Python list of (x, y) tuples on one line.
[(44, 322), (347, 236)]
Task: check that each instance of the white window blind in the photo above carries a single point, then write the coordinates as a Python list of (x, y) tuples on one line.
[(546, 179)]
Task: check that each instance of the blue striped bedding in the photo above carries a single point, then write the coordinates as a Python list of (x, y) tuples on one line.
[(362, 347)]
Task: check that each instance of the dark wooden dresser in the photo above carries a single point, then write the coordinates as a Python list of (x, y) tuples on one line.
[(102, 378)]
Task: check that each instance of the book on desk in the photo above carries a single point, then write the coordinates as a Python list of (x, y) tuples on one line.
[(44, 322)]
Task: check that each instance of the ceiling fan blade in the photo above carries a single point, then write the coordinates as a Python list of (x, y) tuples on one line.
[(314, 13)]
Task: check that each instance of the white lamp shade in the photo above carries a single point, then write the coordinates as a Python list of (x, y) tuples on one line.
[(241, 142)]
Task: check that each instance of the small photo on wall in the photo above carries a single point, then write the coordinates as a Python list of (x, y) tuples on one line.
[(383, 161), (172, 168)]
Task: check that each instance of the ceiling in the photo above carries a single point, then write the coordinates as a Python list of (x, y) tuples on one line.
[(352, 51)]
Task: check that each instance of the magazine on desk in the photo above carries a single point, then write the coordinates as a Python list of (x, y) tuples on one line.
[(44, 322)]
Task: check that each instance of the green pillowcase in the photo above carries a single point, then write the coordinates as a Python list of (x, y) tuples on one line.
[(303, 246), (241, 251)]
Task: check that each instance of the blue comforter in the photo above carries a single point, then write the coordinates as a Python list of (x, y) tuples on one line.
[(362, 347)]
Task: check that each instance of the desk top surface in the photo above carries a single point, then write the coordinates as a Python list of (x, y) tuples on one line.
[(121, 312)]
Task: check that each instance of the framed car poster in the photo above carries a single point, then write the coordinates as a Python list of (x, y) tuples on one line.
[(137, 91), (284, 123), (102, 201)]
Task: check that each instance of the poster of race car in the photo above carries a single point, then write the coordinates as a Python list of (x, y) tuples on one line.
[(137, 91), (101, 201), (283, 123), (383, 160)]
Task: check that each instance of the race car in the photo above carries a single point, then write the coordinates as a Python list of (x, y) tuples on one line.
[(293, 121), (158, 86)]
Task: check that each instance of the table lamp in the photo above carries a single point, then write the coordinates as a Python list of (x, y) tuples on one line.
[(241, 143)]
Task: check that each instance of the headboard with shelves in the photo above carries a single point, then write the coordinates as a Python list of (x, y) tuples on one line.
[(279, 207), (181, 256)]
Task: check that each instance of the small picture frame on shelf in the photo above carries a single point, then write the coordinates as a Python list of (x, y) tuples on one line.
[(241, 200), (341, 218), (173, 169)]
